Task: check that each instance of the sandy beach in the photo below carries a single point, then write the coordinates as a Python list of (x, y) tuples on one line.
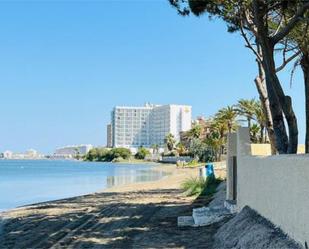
[(141, 215)]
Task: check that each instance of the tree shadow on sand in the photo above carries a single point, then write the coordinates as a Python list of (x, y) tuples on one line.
[(113, 222)]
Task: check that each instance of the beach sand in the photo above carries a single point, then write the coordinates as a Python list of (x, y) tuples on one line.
[(140, 215)]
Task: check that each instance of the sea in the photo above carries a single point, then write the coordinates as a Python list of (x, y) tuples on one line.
[(24, 182)]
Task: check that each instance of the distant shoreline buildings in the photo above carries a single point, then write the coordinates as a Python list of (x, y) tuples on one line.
[(66, 152), (29, 154), (132, 127), (72, 151)]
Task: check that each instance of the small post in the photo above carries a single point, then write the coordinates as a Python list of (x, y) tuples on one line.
[(234, 194), (231, 166)]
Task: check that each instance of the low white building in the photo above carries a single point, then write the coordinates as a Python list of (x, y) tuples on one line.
[(32, 153), (73, 150)]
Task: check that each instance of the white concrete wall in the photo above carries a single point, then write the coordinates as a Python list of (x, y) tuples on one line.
[(277, 187)]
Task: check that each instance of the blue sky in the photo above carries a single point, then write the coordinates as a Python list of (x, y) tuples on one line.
[(64, 65)]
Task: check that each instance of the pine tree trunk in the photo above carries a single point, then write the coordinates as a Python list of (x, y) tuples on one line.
[(262, 134), (282, 141), (277, 99), (260, 85), (305, 67)]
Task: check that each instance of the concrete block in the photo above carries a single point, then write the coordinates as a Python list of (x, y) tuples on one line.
[(243, 142), (184, 221)]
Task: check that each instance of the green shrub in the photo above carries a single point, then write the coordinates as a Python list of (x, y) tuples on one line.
[(105, 155), (193, 186), (211, 186), (117, 153), (92, 155), (199, 186), (141, 153)]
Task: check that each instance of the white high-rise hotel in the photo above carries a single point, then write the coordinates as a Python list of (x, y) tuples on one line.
[(133, 127)]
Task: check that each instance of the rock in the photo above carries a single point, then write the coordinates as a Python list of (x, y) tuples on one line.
[(205, 216), (250, 230)]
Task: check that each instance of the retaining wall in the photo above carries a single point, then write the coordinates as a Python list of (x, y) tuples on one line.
[(277, 187)]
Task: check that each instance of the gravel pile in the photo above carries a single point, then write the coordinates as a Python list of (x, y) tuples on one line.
[(250, 230)]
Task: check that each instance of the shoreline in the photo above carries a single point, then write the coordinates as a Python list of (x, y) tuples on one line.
[(112, 219), (166, 168), (173, 173), (138, 215), (175, 176)]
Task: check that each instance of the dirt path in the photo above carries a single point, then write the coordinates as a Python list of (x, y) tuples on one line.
[(144, 218)]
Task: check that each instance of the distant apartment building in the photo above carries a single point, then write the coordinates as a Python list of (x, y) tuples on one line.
[(73, 150), (109, 136), (133, 127)]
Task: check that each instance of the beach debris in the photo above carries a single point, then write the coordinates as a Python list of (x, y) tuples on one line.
[(203, 216)]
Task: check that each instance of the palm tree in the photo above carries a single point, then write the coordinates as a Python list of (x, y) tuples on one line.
[(260, 118), (217, 137), (216, 143), (223, 123), (170, 141), (220, 126), (155, 148), (228, 116), (181, 149), (246, 108), (195, 132), (252, 109), (254, 131)]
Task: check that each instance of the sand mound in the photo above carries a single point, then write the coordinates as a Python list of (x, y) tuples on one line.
[(250, 230)]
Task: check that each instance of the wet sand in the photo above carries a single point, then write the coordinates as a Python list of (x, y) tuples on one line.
[(141, 215)]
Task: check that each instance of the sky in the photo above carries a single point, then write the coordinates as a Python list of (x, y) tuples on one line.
[(65, 64)]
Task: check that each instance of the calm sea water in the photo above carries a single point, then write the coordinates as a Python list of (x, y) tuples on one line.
[(24, 182)]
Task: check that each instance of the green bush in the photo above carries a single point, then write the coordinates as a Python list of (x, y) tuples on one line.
[(105, 155), (141, 153), (198, 186), (118, 153), (193, 186)]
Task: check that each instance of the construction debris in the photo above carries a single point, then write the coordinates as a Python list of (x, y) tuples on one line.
[(203, 216)]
